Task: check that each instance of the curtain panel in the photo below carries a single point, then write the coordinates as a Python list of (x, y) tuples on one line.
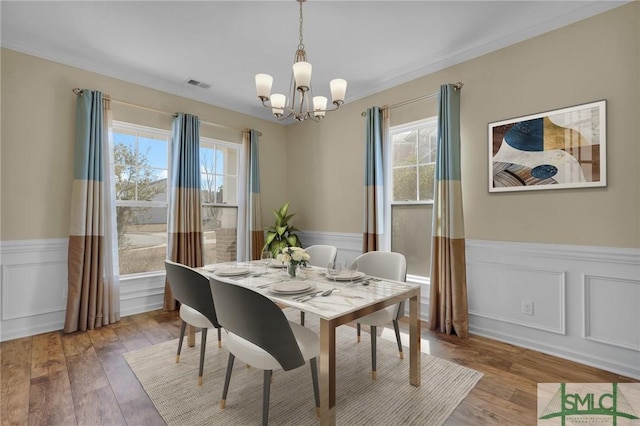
[(448, 309), (254, 205), (185, 215), (376, 127), (93, 284)]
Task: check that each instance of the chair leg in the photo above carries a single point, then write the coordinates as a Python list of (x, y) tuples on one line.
[(266, 388), (358, 331), (227, 379), (316, 388), (203, 345), (374, 337), (183, 329), (301, 317), (396, 328), (220, 337)]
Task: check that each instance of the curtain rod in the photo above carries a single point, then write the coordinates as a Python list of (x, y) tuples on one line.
[(456, 86), (78, 91)]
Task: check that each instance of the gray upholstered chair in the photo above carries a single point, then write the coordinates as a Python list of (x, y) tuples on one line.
[(392, 266), (259, 334), (193, 291)]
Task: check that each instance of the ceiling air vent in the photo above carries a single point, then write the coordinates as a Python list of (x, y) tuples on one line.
[(197, 83)]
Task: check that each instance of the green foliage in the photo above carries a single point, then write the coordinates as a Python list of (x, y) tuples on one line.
[(135, 180), (281, 234)]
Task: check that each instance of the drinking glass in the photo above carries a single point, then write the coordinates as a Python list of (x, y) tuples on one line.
[(353, 270), (333, 270), (266, 257)]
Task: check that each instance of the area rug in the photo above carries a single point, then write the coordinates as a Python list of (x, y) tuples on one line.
[(389, 400)]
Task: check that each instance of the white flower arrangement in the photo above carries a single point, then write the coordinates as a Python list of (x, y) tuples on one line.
[(294, 256)]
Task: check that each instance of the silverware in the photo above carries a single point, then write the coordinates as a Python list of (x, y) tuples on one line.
[(307, 296)]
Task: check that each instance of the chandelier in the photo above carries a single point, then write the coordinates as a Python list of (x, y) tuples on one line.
[(297, 106)]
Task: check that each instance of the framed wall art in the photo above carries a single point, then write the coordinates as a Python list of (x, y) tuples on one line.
[(564, 148)]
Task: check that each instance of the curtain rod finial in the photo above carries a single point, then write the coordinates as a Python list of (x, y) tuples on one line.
[(458, 85)]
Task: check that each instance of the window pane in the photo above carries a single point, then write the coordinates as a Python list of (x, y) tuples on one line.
[(219, 227), (404, 148), (426, 181), (411, 236), (229, 190), (405, 184), (154, 150), (210, 188), (142, 238)]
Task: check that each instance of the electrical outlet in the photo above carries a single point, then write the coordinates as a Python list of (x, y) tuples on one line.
[(527, 307)]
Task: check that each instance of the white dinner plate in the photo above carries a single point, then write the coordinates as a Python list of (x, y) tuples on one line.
[(275, 264), (231, 272), (291, 287), (347, 276)]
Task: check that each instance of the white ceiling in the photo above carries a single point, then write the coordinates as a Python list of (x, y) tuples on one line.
[(374, 45)]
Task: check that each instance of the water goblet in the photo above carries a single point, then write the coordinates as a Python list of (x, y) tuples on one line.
[(266, 258), (353, 271), (333, 270)]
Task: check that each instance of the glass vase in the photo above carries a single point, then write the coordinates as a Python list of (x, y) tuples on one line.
[(292, 269)]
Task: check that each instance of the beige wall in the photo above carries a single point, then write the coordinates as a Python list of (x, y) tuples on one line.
[(595, 59), (319, 166), (37, 137)]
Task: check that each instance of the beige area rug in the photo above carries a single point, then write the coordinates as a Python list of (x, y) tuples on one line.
[(389, 400)]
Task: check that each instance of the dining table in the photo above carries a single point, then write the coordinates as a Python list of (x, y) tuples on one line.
[(336, 300)]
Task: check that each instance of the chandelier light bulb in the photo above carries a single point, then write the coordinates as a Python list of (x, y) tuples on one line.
[(319, 106), (263, 86), (302, 75), (338, 90), (278, 101)]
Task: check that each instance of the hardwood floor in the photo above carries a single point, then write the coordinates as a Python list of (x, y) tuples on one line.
[(82, 378)]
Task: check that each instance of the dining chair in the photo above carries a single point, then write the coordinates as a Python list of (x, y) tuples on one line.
[(193, 291), (320, 255), (259, 334), (387, 265)]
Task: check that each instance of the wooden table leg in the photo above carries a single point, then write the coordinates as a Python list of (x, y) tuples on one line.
[(191, 336), (414, 340), (327, 373)]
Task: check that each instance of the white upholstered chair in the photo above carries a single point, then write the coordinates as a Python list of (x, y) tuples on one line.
[(193, 291), (392, 266), (259, 334), (321, 255)]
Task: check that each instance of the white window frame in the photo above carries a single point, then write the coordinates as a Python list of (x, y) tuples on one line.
[(115, 125), (388, 187), (240, 187)]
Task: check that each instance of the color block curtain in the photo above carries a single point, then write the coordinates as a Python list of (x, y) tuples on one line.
[(93, 282), (377, 126), (253, 216), (448, 310), (185, 214)]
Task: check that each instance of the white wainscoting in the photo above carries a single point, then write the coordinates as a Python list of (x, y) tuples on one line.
[(33, 288), (585, 299)]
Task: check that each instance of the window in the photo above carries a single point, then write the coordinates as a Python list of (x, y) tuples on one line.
[(219, 166), (410, 171), (141, 157), (142, 161)]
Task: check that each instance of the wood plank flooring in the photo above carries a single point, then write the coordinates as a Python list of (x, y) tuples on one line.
[(82, 378)]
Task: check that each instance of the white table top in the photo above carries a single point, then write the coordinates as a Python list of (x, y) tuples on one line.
[(348, 296)]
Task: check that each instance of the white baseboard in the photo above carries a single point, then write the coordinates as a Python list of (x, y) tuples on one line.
[(585, 299)]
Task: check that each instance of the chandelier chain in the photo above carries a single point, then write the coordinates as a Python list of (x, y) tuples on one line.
[(300, 44)]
